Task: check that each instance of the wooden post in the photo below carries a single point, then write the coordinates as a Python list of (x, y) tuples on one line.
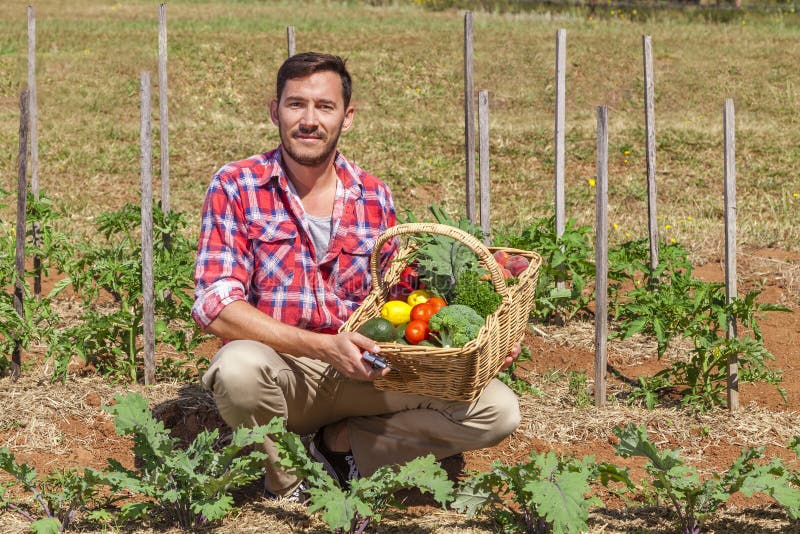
[(147, 234), (483, 133), (601, 261), (163, 113), (560, 112), (22, 198), (469, 117), (650, 132), (290, 42), (33, 118), (730, 245)]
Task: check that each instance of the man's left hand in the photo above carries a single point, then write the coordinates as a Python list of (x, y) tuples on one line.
[(512, 356)]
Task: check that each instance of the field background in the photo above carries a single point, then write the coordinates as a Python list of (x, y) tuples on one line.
[(407, 64)]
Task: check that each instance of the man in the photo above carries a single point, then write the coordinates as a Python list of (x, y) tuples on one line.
[(283, 260)]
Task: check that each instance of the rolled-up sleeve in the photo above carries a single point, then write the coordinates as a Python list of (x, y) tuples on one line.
[(224, 262)]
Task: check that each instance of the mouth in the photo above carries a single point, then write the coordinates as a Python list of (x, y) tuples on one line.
[(307, 137)]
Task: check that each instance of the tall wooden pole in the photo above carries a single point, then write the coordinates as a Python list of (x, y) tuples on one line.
[(33, 118), (601, 261), (22, 198), (560, 112), (163, 111), (290, 41), (469, 117), (730, 245), (483, 132), (650, 132), (147, 233)]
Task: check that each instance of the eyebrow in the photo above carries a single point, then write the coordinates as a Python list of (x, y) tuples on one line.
[(291, 98)]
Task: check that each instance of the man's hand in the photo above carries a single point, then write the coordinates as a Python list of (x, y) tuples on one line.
[(512, 356), (345, 353)]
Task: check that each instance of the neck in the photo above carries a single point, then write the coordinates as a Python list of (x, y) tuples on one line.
[(315, 185)]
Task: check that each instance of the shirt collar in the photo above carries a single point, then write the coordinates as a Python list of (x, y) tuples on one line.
[(274, 173)]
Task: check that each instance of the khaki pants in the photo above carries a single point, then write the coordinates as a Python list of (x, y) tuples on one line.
[(252, 384)]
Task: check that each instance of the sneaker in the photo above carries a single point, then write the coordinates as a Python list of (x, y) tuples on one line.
[(298, 495), (339, 465)]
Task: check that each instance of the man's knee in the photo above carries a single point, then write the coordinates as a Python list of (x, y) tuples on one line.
[(239, 375), (504, 408)]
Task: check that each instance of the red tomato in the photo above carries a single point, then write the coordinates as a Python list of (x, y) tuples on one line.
[(422, 311), (416, 330), (437, 303)]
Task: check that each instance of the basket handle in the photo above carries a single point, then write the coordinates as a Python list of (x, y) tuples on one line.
[(483, 253)]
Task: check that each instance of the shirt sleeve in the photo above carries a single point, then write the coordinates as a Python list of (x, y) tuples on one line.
[(224, 262)]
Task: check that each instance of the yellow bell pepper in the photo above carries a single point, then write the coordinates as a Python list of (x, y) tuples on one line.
[(418, 296)]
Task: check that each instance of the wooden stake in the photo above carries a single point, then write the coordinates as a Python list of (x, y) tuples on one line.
[(469, 117), (163, 111), (730, 245), (601, 261), (147, 234), (22, 199), (290, 42), (650, 132), (483, 132), (560, 112), (33, 118)]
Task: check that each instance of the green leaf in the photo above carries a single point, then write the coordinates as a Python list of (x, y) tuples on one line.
[(48, 525)]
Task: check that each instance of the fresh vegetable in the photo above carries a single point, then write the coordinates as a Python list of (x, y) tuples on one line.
[(422, 312), (437, 303), (478, 294), (416, 331), (418, 296), (377, 329), (400, 333), (455, 325), (396, 312)]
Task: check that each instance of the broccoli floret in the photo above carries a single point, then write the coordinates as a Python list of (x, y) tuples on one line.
[(455, 325)]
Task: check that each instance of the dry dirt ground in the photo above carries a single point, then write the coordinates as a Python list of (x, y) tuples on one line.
[(58, 425)]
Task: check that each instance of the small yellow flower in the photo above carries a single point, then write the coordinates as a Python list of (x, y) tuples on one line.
[(616, 226), (625, 161), (667, 227), (688, 217), (592, 183), (627, 234), (626, 152), (672, 240), (796, 195)]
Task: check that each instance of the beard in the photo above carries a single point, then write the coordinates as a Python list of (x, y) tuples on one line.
[(309, 156)]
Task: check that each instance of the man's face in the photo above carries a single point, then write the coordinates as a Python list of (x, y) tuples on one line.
[(310, 117)]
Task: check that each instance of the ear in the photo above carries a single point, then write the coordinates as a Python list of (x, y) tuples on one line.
[(349, 114), (273, 111)]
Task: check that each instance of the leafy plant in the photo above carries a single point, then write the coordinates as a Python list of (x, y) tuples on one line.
[(192, 486), (564, 261), (545, 494), (55, 499), (692, 498), (109, 340), (354, 508), (670, 303)]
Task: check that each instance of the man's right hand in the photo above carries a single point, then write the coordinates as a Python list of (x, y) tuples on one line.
[(345, 352)]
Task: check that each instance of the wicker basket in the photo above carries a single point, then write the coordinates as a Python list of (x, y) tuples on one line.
[(450, 373)]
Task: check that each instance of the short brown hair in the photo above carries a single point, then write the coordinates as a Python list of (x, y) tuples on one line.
[(307, 63)]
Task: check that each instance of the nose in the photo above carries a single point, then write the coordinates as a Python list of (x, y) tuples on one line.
[(309, 119)]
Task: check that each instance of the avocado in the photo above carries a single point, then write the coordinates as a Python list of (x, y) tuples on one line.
[(377, 329)]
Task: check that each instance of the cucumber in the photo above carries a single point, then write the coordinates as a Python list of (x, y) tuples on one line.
[(378, 329)]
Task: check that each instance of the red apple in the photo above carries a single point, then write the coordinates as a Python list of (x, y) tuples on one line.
[(516, 264), (501, 256)]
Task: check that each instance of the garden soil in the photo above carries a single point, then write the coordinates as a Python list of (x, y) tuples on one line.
[(62, 425)]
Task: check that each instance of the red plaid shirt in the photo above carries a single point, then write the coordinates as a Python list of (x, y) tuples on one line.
[(255, 245)]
